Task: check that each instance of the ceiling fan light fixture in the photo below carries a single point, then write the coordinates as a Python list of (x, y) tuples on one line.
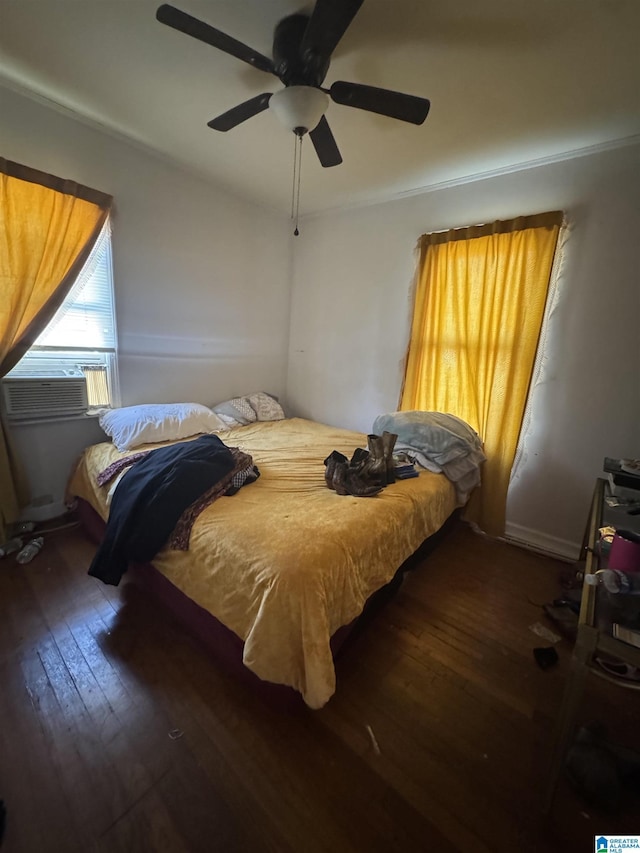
[(299, 108)]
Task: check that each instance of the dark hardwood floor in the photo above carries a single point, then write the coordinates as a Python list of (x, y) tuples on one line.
[(119, 733)]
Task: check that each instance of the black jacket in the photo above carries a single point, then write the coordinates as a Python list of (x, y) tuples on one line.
[(151, 497)]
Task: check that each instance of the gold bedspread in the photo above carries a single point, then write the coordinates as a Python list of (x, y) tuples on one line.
[(286, 561)]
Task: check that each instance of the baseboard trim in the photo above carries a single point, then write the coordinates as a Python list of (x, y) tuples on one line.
[(553, 546)]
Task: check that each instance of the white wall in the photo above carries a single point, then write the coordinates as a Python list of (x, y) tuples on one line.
[(202, 279), (352, 277), (203, 300)]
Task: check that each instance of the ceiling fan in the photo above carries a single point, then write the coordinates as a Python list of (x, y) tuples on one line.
[(302, 48)]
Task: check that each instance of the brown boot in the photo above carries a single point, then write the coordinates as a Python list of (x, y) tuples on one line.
[(360, 456), (375, 467), (359, 486), (340, 477), (388, 443), (330, 462)]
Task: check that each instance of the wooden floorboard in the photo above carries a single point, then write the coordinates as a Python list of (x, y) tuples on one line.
[(119, 733)]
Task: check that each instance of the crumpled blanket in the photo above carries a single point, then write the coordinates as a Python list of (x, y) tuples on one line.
[(439, 442)]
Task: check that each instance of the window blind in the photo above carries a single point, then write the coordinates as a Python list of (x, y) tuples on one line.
[(85, 320)]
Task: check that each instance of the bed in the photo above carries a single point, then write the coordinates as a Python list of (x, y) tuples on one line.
[(286, 562)]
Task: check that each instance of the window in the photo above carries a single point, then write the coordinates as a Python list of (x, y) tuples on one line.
[(81, 337)]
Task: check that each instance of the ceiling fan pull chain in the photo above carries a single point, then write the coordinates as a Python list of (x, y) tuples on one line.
[(299, 170)]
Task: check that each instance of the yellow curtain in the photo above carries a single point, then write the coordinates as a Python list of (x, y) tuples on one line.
[(47, 229), (479, 303)]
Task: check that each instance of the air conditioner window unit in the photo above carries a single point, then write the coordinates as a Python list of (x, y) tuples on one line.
[(63, 393)]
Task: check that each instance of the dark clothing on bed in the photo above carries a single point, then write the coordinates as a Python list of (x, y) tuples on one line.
[(151, 497)]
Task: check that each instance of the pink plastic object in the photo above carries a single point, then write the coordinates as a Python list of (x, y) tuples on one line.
[(625, 552)]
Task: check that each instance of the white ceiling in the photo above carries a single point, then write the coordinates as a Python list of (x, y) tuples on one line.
[(510, 81)]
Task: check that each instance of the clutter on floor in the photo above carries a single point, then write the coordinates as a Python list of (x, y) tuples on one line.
[(545, 657), (27, 538)]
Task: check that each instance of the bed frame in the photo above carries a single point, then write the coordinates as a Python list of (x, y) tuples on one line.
[(220, 642)]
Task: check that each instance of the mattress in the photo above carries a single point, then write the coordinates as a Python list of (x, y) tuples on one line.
[(286, 562)]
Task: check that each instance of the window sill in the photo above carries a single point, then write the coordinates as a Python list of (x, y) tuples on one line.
[(54, 419)]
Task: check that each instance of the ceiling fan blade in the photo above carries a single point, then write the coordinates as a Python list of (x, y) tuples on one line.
[(325, 144), (383, 101), (185, 23), (241, 113), (328, 23)]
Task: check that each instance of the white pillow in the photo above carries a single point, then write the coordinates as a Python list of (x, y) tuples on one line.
[(131, 426)]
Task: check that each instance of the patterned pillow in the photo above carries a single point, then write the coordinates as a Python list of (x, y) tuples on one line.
[(239, 409), (259, 406), (244, 409), (266, 407)]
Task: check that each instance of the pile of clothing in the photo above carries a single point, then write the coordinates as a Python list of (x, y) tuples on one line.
[(159, 497)]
